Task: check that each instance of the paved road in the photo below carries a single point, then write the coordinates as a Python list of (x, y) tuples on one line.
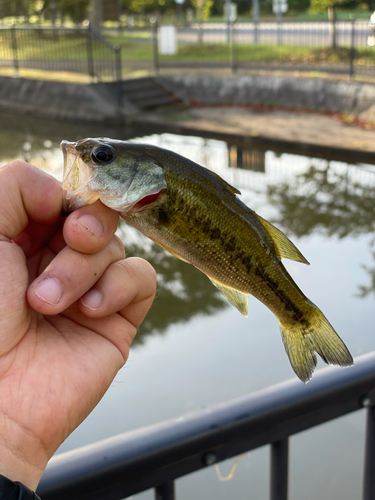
[(305, 34)]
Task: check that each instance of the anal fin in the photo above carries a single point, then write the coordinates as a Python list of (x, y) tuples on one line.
[(236, 298)]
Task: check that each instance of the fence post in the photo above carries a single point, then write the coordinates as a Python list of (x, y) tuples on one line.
[(279, 28), (352, 48), (279, 470), (155, 44), (165, 491), (233, 62), (255, 31), (119, 78), (90, 60), (118, 64), (14, 49), (369, 468)]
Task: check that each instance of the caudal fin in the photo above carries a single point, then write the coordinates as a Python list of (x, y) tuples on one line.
[(302, 340)]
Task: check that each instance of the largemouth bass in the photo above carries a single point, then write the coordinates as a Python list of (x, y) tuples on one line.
[(195, 215)]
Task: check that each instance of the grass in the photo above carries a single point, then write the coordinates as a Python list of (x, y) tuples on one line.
[(59, 55), (263, 53)]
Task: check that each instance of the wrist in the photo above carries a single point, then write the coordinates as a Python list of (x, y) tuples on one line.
[(19, 470), (20, 460), (11, 490)]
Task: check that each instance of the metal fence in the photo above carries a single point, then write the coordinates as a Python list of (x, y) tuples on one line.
[(77, 50), (297, 46), (155, 456), (238, 46)]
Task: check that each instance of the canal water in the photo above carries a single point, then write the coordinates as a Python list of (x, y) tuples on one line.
[(195, 350)]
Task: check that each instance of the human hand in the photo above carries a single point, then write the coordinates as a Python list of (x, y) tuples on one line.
[(70, 305)]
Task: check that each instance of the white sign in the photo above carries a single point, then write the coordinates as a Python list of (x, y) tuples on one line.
[(167, 40), (280, 6), (230, 11)]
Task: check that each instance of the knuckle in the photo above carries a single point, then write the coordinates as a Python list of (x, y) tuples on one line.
[(143, 268), (118, 247)]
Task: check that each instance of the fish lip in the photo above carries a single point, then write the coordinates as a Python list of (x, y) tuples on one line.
[(73, 196), (70, 157)]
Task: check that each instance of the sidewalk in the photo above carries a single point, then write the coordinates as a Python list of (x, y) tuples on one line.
[(275, 129)]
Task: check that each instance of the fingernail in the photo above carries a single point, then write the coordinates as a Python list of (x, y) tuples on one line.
[(92, 299), (49, 290), (92, 224)]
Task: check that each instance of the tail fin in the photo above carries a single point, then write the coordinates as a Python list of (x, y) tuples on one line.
[(301, 340)]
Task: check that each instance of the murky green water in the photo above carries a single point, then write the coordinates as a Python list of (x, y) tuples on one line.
[(195, 350)]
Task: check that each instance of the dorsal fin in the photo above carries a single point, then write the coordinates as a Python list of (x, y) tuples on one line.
[(284, 247), (236, 298), (232, 189)]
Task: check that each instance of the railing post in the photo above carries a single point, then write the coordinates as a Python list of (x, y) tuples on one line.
[(369, 468), (255, 40), (279, 470), (155, 44), (118, 64), (90, 60), (14, 49), (352, 48), (233, 62), (165, 491)]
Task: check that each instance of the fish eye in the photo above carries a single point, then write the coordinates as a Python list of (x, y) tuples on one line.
[(102, 154)]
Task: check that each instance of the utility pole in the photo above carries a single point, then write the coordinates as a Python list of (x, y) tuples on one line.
[(256, 16), (279, 8)]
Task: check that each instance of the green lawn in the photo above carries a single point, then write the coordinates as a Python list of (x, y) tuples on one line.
[(34, 46)]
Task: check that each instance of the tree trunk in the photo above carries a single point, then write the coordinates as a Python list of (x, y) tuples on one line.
[(332, 30), (96, 14)]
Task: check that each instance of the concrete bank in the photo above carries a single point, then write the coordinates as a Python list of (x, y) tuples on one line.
[(62, 101), (100, 101), (303, 93), (300, 127)]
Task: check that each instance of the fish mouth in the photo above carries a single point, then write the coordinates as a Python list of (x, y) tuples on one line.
[(76, 177)]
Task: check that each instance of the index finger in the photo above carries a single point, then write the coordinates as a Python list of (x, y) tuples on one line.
[(89, 229)]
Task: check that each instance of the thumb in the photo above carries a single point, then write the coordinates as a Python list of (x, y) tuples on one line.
[(25, 193), (14, 310)]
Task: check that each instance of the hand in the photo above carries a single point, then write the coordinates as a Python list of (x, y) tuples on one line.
[(70, 305)]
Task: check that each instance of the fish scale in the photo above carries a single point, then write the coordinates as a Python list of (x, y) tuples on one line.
[(195, 215)]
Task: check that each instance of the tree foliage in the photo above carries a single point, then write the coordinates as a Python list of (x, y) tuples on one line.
[(323, 5)]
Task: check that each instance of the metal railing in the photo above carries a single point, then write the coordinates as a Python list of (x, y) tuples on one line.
[(76, 50), (287, 46), (155, 456), (295, 46)]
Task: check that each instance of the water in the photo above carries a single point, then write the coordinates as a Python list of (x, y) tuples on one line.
[(195, 350)]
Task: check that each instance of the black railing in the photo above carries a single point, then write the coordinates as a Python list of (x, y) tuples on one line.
[(294, 46), (74, 50), (239, 46), (155, 456)]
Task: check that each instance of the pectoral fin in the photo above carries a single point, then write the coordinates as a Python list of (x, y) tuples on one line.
[(236, 298), (284, 247), (171, 252)]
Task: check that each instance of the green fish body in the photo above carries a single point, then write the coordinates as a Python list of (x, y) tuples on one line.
[(197, 216)]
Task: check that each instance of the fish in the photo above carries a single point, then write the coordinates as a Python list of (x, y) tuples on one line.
[(197, 216)]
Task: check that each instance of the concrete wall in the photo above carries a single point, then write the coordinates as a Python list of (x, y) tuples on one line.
[(61, 100), (306, 93), (99, 102)]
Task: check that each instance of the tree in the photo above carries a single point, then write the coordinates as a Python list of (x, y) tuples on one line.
[(330, 5)]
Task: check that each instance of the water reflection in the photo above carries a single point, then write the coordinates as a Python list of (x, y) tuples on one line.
[(183, 291), (38, 141), (327, 201)]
